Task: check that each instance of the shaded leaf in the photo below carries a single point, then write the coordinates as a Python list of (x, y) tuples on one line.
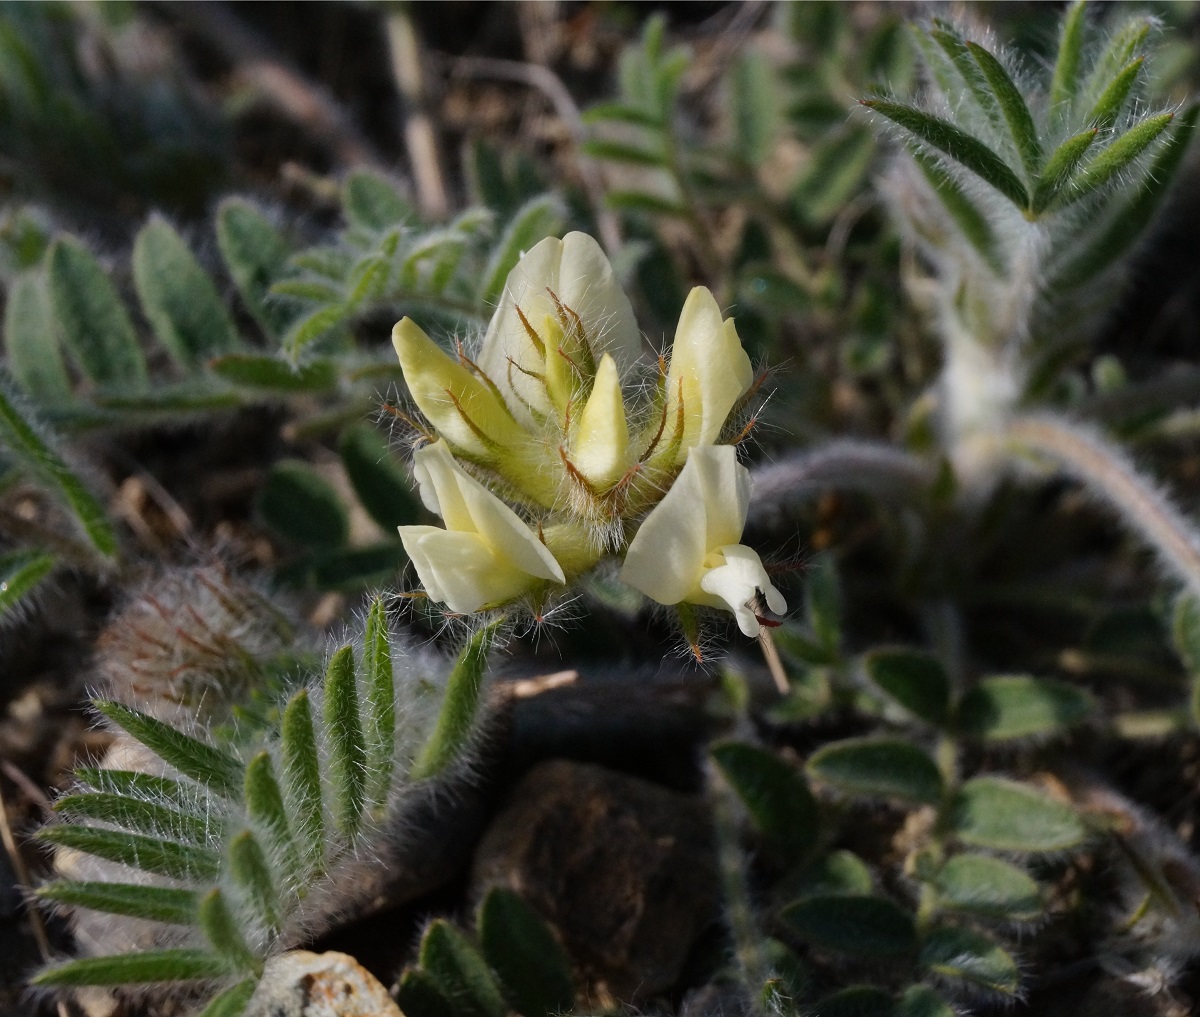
[(922, 1001), (878, 768), (776, 796), (178, 297), (20, 573), (380, 482), (856, 1001), (1018, 706), (537, 219), (967, 956), (224, 933), (420, 995), (21, 437), (30, 344), (823, 601), (965, 213), (460, 972), (992, 812), (254, 252), (232, 1002), (988, 887), (623, 151), (534, 971), (753, 94), (94, 323), (861, 925), (373, 202), (914, 680), (300, 504), (255, 371)]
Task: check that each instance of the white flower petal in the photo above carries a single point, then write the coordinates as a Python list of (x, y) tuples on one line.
[(437, 477), (738, 581), (461, 570), (578, 272), (724, 485), (666, 556)]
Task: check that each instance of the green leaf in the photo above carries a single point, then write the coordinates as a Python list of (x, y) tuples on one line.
[(93, 321), (372, 202), (534, 971), (456, 719), (753, 103), (962, 955), (179, 861), (1059, 168), (256, 371), (379, 721), (622, 112), (225, 935), (20, 572), (623, 152), (914, 680), (316, 291), (1121, 46), (136, 815), (1110, 161), (302, 778), (922, 1001), (21, 438), (988, 887), (232, 1002), (136, 968), (1119, 235), (419, 995), (314, 326), (1002, 815), (640, 201), (30, 344), (1012, 106), (1018, 706), (356, 569), (1065, 81), (381, 483), (1185, 631), (954, 46), (537, 219), (963, 148), (153, 903), (878, 768), (1108, 107), (141, 785), (196, 759), (865, 926), (823, 601), (178, 297), (254, 252), (856, 1001), (776, 796), (347, 750), (839, 873), (301, 505), (252, 873), (265, 806), (836, 172), (970, 220), (460, 972)]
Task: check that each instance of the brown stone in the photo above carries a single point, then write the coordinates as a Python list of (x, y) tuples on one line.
[(622, 869)]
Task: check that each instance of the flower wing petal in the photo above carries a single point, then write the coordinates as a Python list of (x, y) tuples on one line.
[(666, 556), (461, 570)]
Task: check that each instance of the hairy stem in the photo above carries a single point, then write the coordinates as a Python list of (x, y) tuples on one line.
[(1108, 474), (870, 467), (750, 959)]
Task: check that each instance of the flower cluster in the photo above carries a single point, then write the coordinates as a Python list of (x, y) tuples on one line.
[(550, 449)]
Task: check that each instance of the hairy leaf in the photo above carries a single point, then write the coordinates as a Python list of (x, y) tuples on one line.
[(959, 954), (254, 252), (153, 903), (379, 714), (300, 504), (1018, 706), (302, 778), (914, 680), (381, 483), (224, 933), (20, 573), (991, 812), (878, 768), (1012, 106), (152, 854), (988, 887), (348, 752), (460, 972), (861, 925), (534, 971), (775, 794), (30, 344), (136, 968), (537, 219)]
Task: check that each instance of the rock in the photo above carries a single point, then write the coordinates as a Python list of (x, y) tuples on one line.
[(303, 984), (621, 868)]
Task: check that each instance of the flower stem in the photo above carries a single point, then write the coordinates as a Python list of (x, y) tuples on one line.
[(1108, 473)]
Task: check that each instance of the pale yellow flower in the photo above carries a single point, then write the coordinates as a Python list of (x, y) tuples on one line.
[(487, 555), (688, 548)]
